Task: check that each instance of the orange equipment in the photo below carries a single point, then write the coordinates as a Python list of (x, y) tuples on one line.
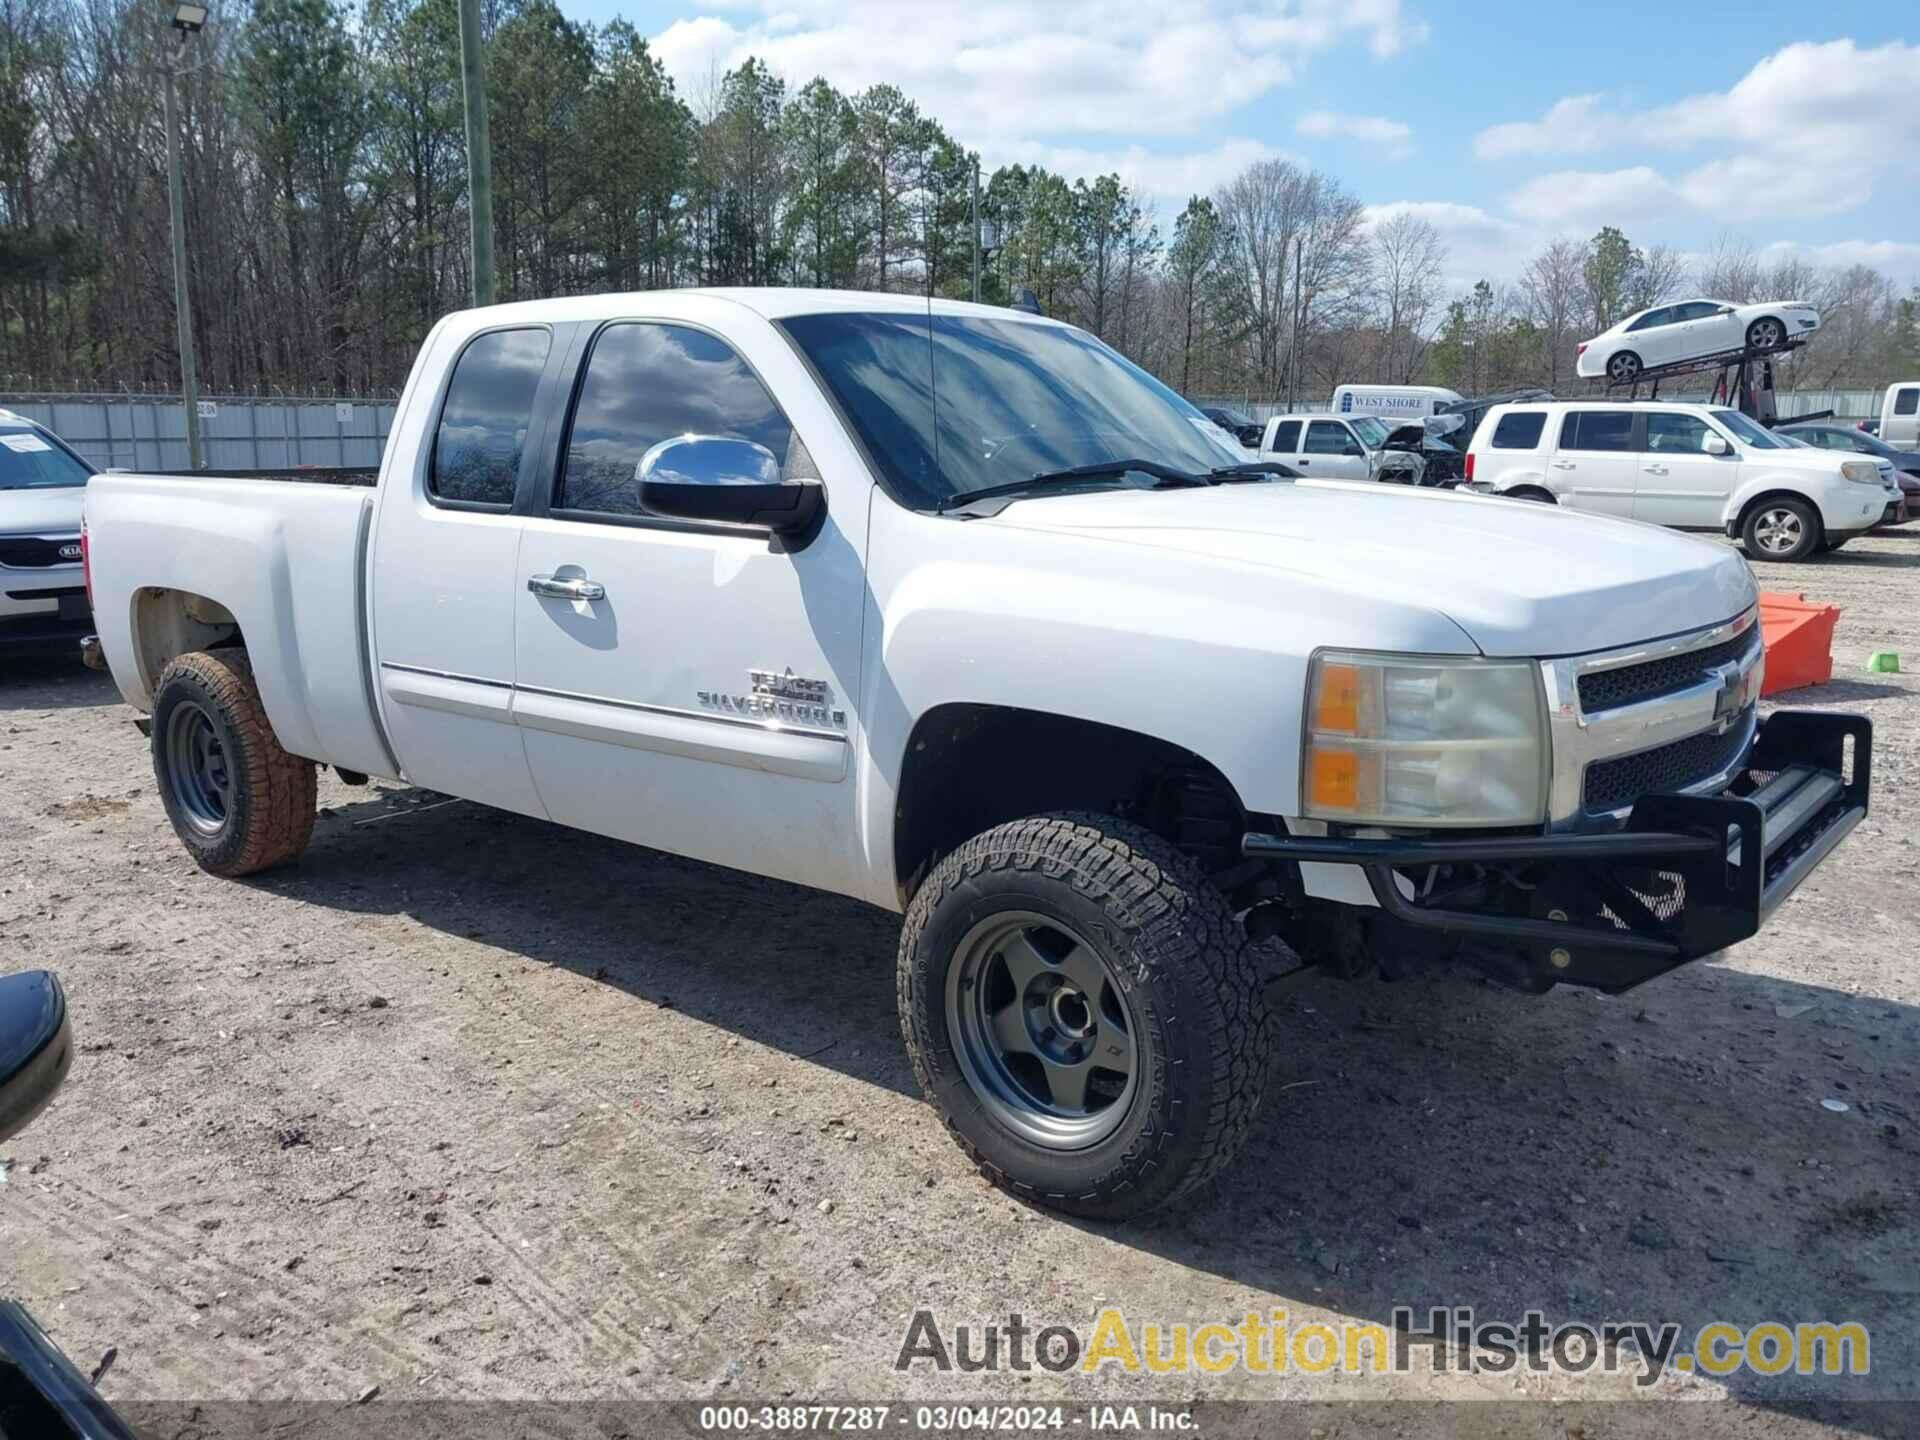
[(1799, 640)]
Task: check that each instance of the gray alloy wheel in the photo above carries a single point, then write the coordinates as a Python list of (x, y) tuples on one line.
[(1780, 532), (198, 770), (1623, 368), (1766, 333), (1042, 1030)]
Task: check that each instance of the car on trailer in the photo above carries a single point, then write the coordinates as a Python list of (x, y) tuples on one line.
[(1690, 330)]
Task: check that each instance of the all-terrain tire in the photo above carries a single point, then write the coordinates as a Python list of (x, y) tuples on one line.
[(1175, 952), (264, 815)]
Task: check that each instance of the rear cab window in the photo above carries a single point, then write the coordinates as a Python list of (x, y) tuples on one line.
[(1907, 401), (482, 435), (1519, 430), (1286, 436)]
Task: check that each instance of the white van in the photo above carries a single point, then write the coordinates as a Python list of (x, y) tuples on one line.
[(1690, 467), (1394, 402), (1900, 415)]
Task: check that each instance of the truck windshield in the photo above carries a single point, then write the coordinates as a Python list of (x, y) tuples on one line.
[(1750, 433), (29, 461), (1372, 432), (947, 404)]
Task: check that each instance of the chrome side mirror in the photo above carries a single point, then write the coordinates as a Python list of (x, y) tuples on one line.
[(36, 1046), (725, 481)]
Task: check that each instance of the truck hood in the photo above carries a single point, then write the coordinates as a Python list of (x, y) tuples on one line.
[(1520, 578), (54, 510)]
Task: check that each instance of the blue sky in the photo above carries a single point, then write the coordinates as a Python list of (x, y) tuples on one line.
[(1789, 126)]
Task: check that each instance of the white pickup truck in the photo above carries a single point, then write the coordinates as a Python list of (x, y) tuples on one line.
[(955, 610)]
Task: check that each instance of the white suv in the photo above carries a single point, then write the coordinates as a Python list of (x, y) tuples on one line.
[(1691, 467)]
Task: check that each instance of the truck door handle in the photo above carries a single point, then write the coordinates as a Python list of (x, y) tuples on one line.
[(1563, 464), (552, 587), (1656, 469)]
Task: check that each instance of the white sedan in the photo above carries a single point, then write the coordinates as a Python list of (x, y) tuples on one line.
[(1691, 330)]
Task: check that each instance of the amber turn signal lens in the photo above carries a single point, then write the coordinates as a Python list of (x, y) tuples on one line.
[(1333, 778), (1337, 707)]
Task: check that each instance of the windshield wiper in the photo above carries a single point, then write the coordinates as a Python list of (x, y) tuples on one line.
[(1163, 475), (1252, 470)]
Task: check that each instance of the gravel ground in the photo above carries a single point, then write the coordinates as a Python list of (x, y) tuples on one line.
[(467, 1106)]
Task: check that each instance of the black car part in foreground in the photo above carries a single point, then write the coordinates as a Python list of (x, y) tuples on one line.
[(1685, 876)]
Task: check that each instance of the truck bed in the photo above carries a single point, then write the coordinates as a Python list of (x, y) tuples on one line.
[(364, 475), (284, 554)]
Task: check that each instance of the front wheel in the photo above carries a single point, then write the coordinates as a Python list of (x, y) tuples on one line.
[(1624, 368), (1078, 1003), (1766, 333), (1782, 529), (238, 802)]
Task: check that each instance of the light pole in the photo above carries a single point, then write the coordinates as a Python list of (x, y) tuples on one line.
[(187, 19), (473, 86), (976, 229)]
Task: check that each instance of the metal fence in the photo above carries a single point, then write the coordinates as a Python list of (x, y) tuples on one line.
[(1845, 404), (237, 432)]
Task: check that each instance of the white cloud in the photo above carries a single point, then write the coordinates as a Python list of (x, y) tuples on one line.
[(1008, 71), (1571, 127), (1393, 135), (1167, 178), (1586, 199), (1899, 259), (1808, 130), (1480, 246)]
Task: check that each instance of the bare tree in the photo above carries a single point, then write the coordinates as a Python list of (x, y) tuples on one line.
[(1408, 257), (1554, 290)]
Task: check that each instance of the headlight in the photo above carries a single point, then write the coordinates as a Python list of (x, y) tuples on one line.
[(1403, 740), (1865, 471)]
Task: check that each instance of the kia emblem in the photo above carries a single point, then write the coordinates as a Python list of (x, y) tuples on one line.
[(69, 552)]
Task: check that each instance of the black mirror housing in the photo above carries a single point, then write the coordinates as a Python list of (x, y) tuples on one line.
[(784, 507), (721, 480), (36, 1046)]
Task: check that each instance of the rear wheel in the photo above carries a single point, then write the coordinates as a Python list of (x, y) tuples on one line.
[(1782, 529), (1624, 368), (1766, 333), (1532, 492), (1079, 1005), (238, 802)]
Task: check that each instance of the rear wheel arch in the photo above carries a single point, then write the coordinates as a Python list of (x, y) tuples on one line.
[(168, 623), (969, 767)]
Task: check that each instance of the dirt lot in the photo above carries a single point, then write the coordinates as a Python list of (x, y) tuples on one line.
[(468, 1107)]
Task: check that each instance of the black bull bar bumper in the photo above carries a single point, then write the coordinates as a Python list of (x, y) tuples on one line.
[(1686, 875)]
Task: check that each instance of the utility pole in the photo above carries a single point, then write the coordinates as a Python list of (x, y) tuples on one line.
[(473, 85), (187, 19), (976, 229), (1293, 355)]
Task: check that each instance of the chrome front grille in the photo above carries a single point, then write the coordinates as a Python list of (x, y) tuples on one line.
[(1603, 690), (1615, 784), (1675, 715)]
